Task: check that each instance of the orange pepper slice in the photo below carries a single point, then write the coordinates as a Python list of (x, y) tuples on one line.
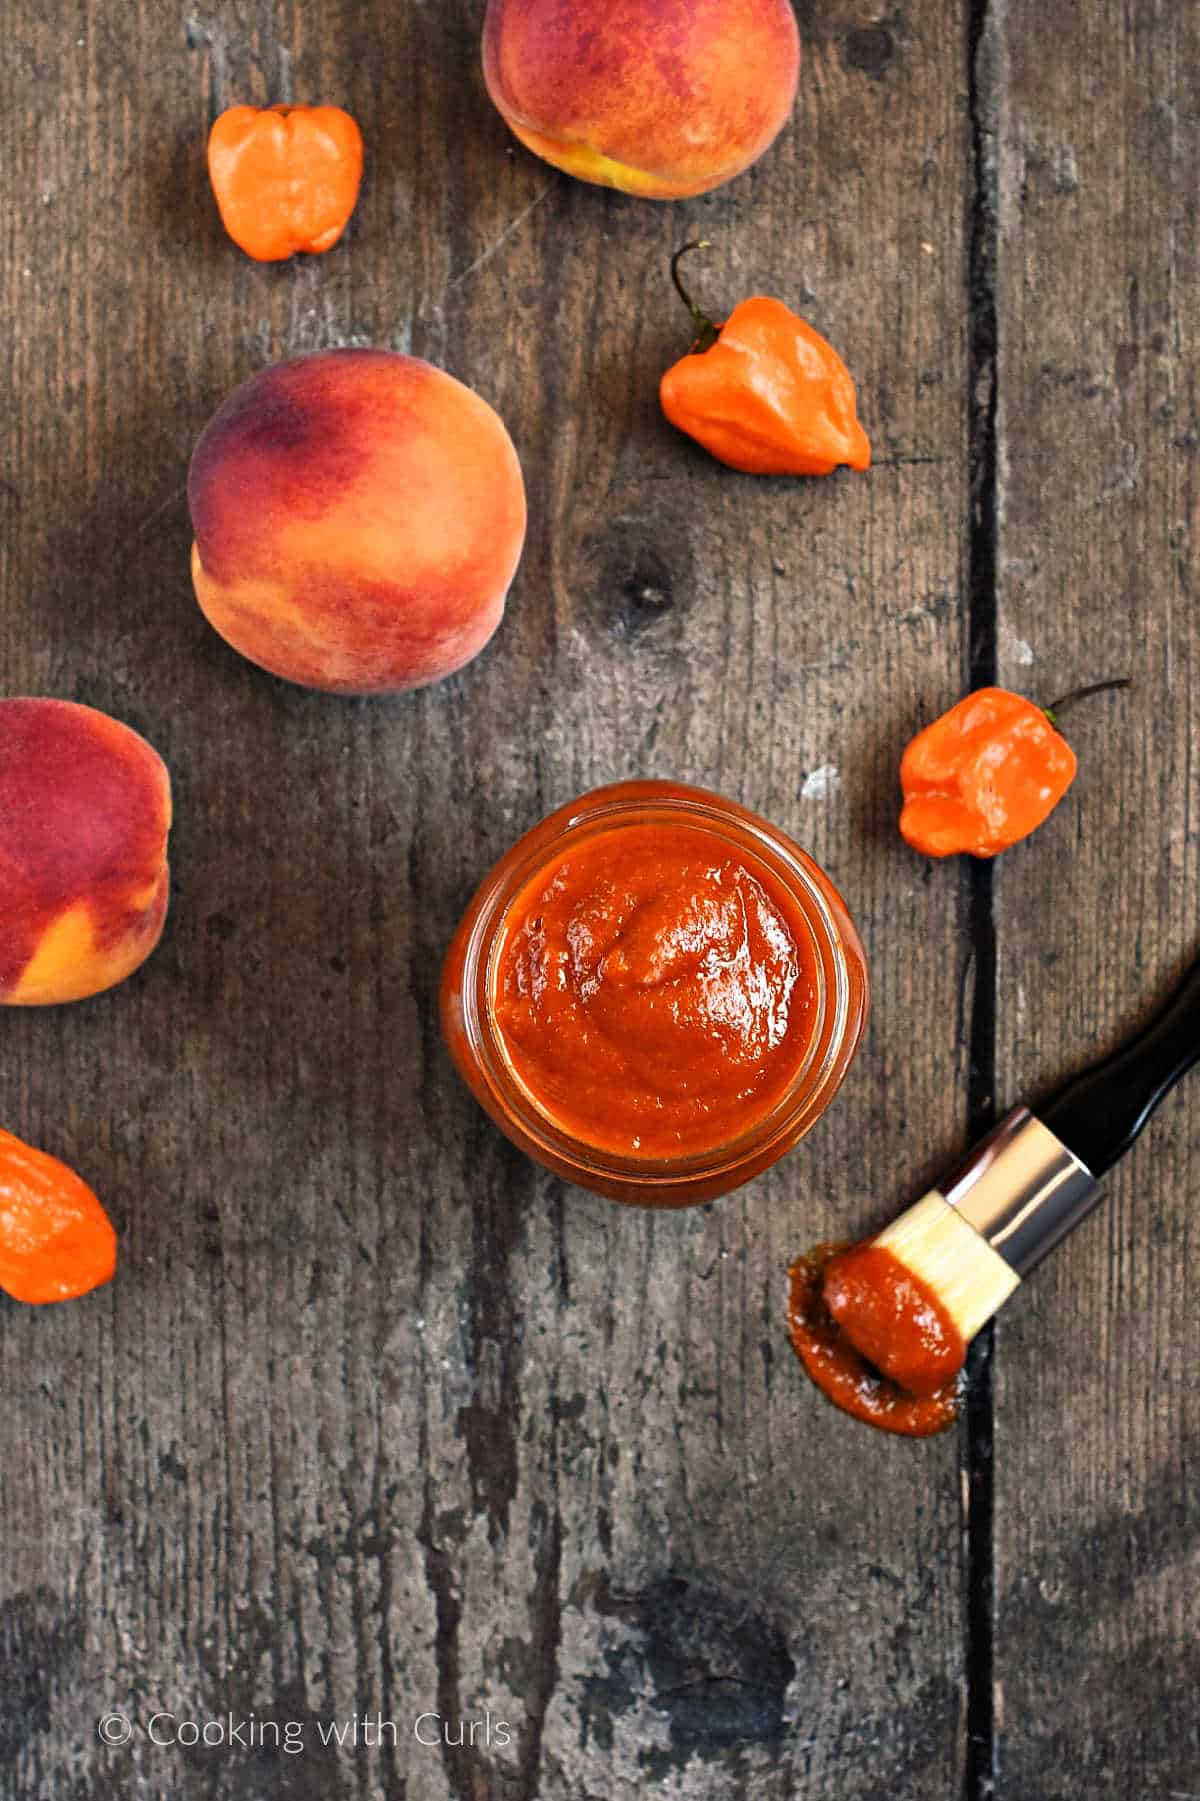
[(56, 1241), (983, 776), (286, 178)]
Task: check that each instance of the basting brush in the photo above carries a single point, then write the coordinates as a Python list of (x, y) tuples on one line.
[(971, 1242)]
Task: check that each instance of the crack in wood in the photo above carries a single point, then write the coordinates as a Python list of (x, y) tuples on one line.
[(394, 1785), (489, 1424), (447, 1608), (545, 1601), (546, 1636), (983, 77)]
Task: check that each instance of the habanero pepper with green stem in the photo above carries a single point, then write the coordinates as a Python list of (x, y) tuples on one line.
[(987, 773), (763, 392)]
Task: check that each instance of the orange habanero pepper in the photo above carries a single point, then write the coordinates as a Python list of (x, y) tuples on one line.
[(764, 392), (987, 773), (56, 1241), (285, 178)]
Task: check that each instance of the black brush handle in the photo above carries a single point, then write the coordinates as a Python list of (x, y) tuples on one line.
[(1100, 1113)]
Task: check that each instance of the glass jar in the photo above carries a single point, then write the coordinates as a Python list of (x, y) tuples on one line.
[(838, 994)]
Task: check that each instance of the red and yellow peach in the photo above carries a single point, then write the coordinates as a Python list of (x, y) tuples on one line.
[(85, 808), (358, 516), (663, 98)]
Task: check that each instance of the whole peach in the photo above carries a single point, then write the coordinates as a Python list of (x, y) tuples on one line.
[(85, 808), (663, 98), (359, 516)]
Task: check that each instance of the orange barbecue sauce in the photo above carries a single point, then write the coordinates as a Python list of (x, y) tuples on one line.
[(654, 992), (854, 1311)]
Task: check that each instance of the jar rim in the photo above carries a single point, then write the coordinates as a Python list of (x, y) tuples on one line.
[(592, 815)]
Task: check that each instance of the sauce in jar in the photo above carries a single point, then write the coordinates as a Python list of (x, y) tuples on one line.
[(655, 993), (654, 990)]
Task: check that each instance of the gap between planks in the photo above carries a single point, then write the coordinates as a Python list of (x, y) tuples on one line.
[(983, 24)]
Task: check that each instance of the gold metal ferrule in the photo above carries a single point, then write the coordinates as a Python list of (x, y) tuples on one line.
[(1022, 1190)]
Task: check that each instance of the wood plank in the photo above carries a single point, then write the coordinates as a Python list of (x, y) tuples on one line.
[(1097, 1521), (377, 1418)]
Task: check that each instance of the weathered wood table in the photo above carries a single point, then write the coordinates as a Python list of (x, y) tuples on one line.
[(378, 1422)]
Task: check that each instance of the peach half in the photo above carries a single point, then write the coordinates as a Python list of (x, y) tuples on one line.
[(359, 516), (662, 98), (85, 808)]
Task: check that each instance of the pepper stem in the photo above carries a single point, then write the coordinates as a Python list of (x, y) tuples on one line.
[(706, 332), (1077, 694)]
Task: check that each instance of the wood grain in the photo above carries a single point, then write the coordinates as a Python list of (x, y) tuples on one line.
[(377, 1418), (1097, 1521)]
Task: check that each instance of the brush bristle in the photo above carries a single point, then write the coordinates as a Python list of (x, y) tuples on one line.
[(971, 1280)]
